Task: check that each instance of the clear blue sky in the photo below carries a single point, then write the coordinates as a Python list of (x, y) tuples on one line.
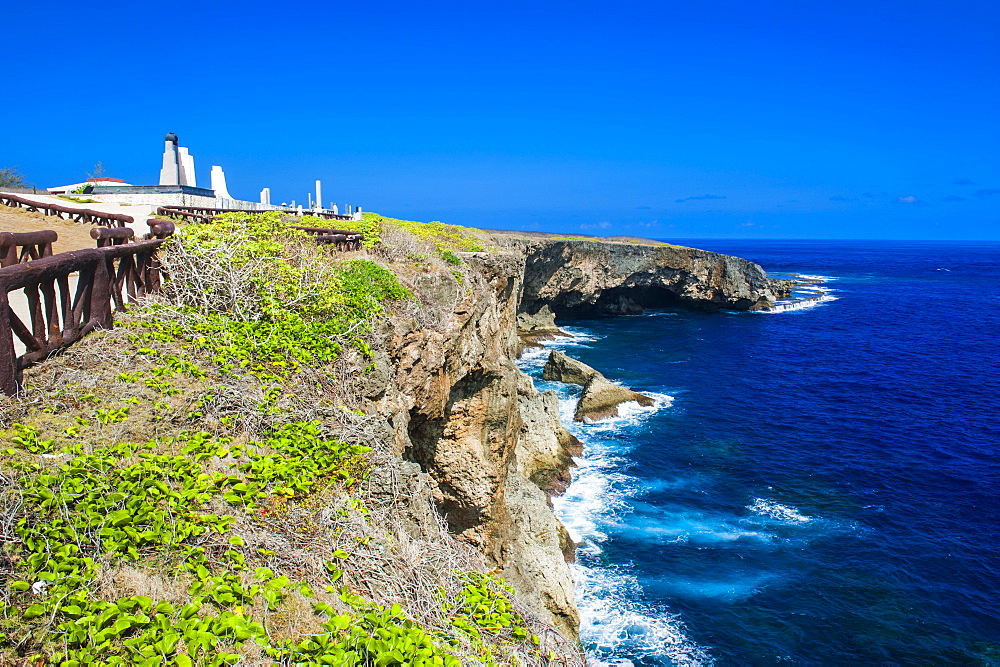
[(846, 119)]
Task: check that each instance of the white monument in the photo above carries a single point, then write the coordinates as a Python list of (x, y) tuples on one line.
[(265, 196), (219, 183), (186, 163), (178, 164), (170, 172), (319, 195)]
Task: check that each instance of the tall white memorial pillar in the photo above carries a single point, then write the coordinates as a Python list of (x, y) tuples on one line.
[(186, 166), (319, 195), (265, 196), (170, 172)]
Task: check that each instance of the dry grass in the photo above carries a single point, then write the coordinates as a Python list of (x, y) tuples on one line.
[(72, 235)]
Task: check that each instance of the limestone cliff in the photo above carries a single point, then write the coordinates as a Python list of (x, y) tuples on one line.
[(590, 277), (485, 440), (489, 447)]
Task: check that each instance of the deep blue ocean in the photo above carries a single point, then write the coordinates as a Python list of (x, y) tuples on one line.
[(812, 487)]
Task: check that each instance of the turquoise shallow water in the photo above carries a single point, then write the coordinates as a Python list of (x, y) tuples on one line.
[(812, 487)]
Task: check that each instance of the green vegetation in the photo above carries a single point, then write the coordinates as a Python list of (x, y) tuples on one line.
[(259, 297), (97, 171), (147, 512), (367, 226), (77, 200), (444, 237), (10, 177)]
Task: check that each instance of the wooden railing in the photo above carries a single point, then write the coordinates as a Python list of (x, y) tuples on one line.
[(116, 273), (109, 279), (204, 214), (326, 215), (18, 247), (107, 236), (343, 239), (77, 214), (185, 214)]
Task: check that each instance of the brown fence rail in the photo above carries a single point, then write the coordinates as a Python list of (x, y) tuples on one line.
[(185, 214), (343, 239), (160, 229), (109, 279), (77, 214), (204, 214), (327, 215), (19, 247)]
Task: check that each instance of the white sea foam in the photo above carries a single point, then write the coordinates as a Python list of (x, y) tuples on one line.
[(630, 413), (664, 526), (614, 620), (776, 510), (580, 338), (809, 292), (802, 304), (533, 358), (613, 623)]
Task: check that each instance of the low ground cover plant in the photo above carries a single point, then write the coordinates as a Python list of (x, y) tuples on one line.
[(191, 505)]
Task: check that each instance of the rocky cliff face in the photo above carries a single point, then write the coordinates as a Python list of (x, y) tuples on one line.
[(486, 442), (589, 277), (487, 447)]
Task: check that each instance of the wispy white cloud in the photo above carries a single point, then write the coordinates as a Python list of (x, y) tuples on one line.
[(700, 198)]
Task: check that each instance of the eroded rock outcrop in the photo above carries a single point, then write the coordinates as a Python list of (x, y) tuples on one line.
[(546, 449), (561, 368), (601, 398), (539, 325), (484, 441), (590, 277)]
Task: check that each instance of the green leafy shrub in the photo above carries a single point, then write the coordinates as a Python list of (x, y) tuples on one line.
[(370, 226), (260, 297), (170, 504), (444, 237), (450, 257)]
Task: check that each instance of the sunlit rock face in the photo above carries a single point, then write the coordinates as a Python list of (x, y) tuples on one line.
[(474, 435), (589, 277)]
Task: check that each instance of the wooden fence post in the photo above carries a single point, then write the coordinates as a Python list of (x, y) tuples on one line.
[(8, 360), (100, 293)]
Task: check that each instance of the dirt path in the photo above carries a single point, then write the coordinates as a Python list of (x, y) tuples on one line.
[(72, 235)]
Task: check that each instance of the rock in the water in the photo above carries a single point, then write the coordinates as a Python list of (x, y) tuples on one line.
[(601, 398), (560, 368)]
